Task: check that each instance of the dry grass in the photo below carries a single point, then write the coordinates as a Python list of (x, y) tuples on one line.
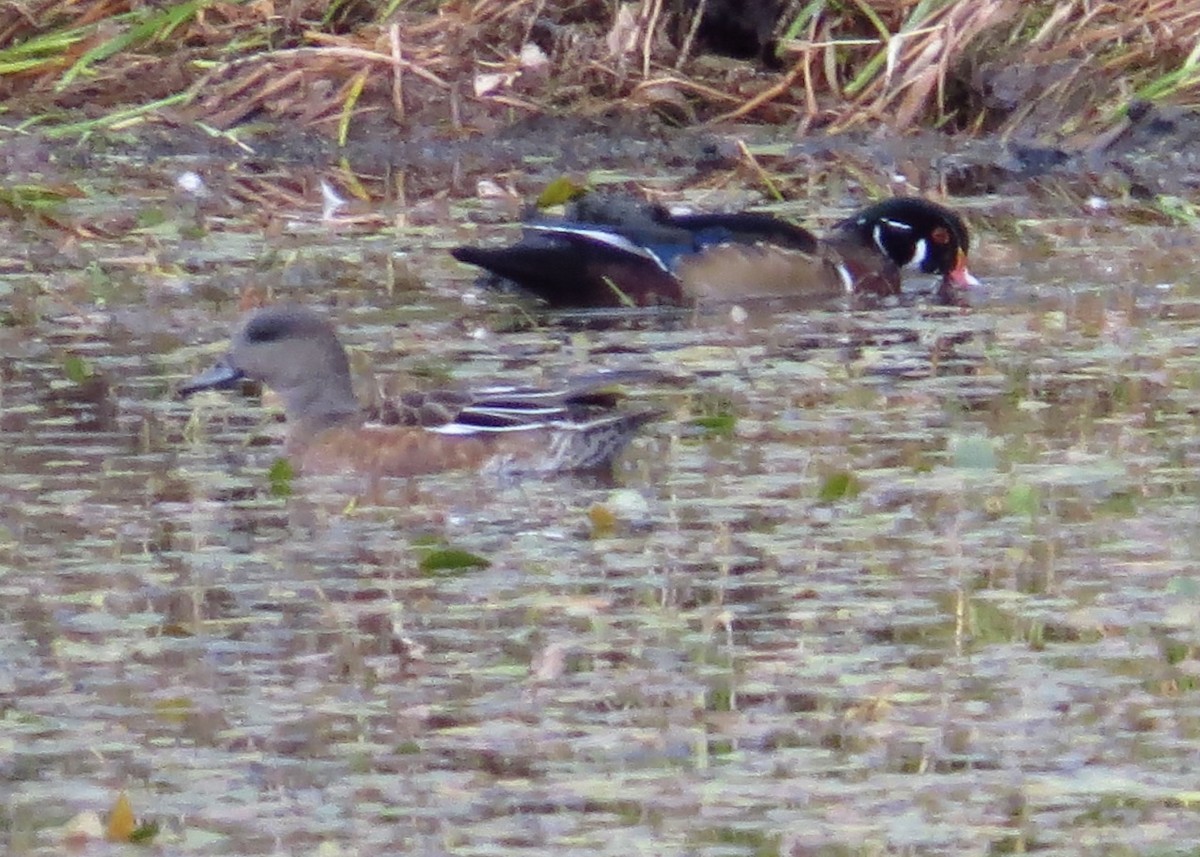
[(963, 65)]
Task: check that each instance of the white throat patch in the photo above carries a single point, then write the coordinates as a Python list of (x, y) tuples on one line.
[(847, 280), (920, 251)]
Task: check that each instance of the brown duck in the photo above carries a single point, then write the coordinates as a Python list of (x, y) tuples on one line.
[(295, 352)]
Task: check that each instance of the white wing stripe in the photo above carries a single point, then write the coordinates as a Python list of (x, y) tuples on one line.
[(600, 236)]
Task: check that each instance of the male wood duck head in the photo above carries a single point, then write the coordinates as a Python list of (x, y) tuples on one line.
[(295, 352), (617, 254), (914, 233)]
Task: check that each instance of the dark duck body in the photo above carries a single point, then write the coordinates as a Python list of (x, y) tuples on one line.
[(616, 252)]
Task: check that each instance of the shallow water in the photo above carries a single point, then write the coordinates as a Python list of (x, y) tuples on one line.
[(935, 593)]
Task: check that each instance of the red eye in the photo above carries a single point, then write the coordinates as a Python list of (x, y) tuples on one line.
[(940, 235)]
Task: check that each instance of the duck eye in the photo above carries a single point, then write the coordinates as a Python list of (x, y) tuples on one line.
[(265, 330), (940, 235)]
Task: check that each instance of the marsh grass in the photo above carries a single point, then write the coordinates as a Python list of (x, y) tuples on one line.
[(964, 65)]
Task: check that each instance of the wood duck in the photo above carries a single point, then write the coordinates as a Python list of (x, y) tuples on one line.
[(614, 252), (295, 352)]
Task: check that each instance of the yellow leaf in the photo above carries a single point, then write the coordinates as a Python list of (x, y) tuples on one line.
[(603, 520), (121, 822), (559, 192)]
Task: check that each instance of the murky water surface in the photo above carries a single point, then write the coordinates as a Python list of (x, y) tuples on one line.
[(935, 593)]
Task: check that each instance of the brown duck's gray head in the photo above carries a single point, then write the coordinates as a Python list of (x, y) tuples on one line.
[(293, 351)]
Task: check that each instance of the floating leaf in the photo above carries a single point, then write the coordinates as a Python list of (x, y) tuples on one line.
[(76, 369), (449, 559), (973, 453), (1187, 587), (1023, 500), (559, 192), (1122, 503), (280, 476), (144, 832), (603, 520), (721, 425), (149, 218), (842, 485), (175, 710), (121, 823)]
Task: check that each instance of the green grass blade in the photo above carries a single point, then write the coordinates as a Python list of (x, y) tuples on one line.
[(155, 25), (113, 119)]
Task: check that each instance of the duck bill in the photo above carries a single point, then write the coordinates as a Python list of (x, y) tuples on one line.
[(959, 276), (222, 376)]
